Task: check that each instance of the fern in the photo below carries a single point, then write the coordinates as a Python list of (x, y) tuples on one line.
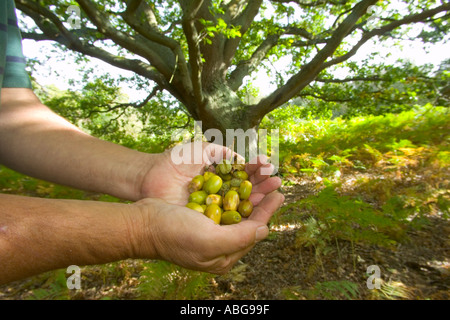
[(328, 290), (165, 281), (55, 288), (341, 217)]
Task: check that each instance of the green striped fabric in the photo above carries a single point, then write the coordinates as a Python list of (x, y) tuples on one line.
[(12, 61)]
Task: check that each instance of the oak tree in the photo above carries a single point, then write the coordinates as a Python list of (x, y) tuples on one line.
[(201, 52)]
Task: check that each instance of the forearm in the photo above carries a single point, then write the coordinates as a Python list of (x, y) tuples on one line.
[(38, 235), (37, 142)]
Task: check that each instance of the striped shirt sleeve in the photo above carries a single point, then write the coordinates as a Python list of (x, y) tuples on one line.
[(12, 60)]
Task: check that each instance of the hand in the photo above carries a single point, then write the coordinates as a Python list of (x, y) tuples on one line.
[(168, 179), (172, 232), (191, 240), (175, 233)]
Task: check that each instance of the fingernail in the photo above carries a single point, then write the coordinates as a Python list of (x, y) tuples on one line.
[(261, 233)]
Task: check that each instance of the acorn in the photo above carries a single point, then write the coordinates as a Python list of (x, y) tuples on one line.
[(240, 174), (198, 197), (196, 183), (214, 212), (230, 217), (245, 208), (224, 167), (231, 201), (222, 195), (207, 175), (213, 184), (214, 198), (245, 189), (225, 177), (195, 206)]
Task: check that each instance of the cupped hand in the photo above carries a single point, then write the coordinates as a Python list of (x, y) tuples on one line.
[(170, 174), (185, 237), (191, 240)]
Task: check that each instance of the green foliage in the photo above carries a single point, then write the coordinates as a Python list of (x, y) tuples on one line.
[(327, 290), (346, 218), (376, 177), (393, 140), (55, 288), (221, 34), (221, 27), (376, 90), (101, 109), (164, 280)]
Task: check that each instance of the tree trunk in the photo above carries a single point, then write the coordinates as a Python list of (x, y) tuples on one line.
[(225, 120)]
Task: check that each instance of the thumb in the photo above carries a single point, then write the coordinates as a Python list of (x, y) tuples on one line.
[(235, 242), (241, 236)]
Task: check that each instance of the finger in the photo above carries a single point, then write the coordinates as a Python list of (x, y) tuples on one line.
[(267, 186), (255, 163), (224, 264), (214, 153), (267, 207), (256, 198), (262, 173), (231, 239)]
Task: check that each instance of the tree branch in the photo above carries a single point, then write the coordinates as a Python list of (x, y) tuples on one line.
[(308, 4), (127, 105), (323, 98), (190, 9), (242, 20), (154, 35), (54, 30), (142, 48), (385, 29), (309, 71), (246, 67), (373, 78)]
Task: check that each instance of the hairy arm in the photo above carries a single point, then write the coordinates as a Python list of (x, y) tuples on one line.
[(38, 235), (37, 142)]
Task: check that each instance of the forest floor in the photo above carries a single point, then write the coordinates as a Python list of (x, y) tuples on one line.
[(278, 268)]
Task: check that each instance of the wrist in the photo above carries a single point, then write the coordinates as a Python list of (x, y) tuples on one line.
[(148, 175), (139, 222), (137, 169)]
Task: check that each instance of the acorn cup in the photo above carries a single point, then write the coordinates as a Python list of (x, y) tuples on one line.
[(236, 182), (222, 195)]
